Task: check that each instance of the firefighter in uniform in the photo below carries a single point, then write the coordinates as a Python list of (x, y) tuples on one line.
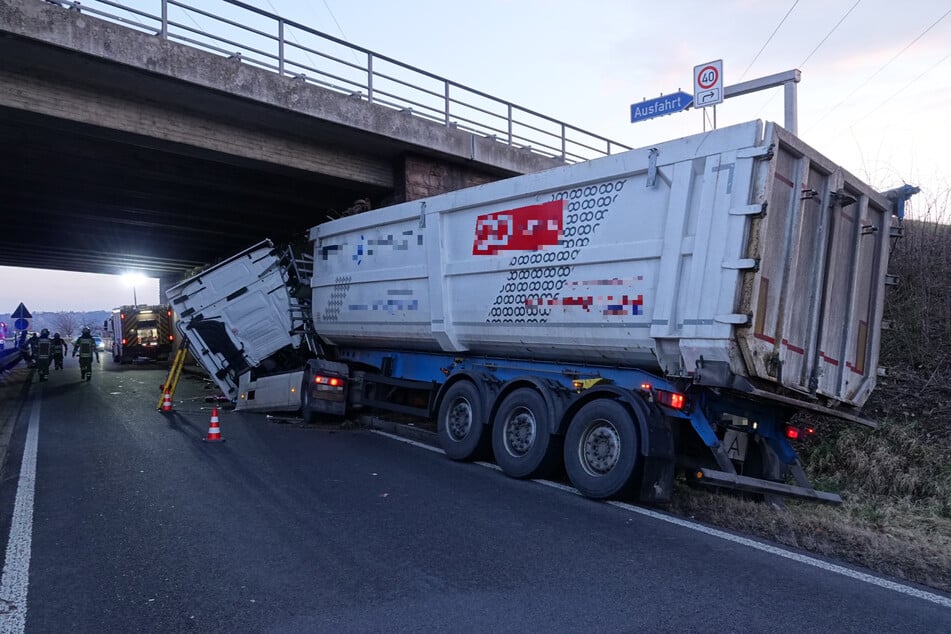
[(85, 346), (60, 348), (44, 354), (28, 349)]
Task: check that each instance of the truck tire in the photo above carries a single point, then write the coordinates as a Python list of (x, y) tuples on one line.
[(601, 450), (762, 462), (307, 411), (461, 423), (310, 410), (521, 441)]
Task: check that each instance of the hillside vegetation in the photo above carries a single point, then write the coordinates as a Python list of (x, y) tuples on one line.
[(895, 480)]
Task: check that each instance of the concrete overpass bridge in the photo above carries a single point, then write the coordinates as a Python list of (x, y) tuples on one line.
[(133, 138)]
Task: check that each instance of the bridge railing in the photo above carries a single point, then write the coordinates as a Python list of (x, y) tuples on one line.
[(235, 29)]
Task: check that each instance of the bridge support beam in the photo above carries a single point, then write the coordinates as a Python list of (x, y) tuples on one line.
[(65, 101)]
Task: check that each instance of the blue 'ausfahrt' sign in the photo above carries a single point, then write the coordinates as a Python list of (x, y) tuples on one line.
[(659, 106)]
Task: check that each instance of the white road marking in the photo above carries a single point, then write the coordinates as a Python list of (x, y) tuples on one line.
[(16, 568), (788, 554), (713, 532), (408, 441)]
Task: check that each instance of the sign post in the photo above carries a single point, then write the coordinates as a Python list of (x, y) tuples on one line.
[(708, 90)]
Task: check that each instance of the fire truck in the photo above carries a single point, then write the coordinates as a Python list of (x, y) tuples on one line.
[(140, 332)]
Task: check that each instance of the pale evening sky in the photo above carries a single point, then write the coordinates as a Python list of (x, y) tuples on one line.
[(874, 95)]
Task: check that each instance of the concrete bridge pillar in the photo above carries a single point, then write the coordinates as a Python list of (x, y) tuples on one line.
[(419, 176)]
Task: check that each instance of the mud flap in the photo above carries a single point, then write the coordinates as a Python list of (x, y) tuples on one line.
[(657, 480), (658, 464)]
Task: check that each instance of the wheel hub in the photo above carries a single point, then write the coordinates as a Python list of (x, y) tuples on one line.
[(459, 419), (600, 448), (520, 432)]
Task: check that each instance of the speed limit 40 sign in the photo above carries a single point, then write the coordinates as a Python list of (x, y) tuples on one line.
[(708, 84)]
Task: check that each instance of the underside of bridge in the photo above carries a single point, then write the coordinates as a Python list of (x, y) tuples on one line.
[(81, 198), (120, 151)]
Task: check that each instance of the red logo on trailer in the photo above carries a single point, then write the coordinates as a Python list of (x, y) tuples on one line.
[(522, 229)]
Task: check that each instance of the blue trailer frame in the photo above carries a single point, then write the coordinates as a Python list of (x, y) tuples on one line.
[(680, 426)]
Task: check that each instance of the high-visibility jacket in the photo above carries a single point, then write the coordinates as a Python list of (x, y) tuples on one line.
[(59, 347), (85, 345), (44, 348)]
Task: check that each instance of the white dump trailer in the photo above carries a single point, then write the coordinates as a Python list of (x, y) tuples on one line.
[(664, 309)]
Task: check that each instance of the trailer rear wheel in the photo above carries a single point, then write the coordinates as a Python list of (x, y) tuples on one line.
[(762, 462), (307, 410), (523, 446), (461, 423), (601, 450)]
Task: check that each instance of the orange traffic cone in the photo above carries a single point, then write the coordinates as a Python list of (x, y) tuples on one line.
[(167, 402), (214, 431)]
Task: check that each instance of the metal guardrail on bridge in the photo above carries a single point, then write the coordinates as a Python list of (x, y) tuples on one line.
[(260, 38)]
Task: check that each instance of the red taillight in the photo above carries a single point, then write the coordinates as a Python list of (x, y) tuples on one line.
[(123, 341), (671, 399), (331, 381), (171, 338), (795, 433), (646, 387), (121, 315)]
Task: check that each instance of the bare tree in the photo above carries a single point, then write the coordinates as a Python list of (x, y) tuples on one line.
[(66, 323)]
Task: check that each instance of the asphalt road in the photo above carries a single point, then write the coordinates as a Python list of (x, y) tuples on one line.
[(139, 525)]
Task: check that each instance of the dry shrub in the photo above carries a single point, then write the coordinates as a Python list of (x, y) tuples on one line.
[(906, 548), (919, 308), (901, 461)]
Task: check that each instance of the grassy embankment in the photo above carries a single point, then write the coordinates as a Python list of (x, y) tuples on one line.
[(895, 480)]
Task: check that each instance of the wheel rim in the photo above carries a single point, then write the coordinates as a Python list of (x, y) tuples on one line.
[(519, 431), (600, 448), (459, 419)]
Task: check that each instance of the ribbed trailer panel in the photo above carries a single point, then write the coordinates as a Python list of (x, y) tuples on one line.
[(741, 246)]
